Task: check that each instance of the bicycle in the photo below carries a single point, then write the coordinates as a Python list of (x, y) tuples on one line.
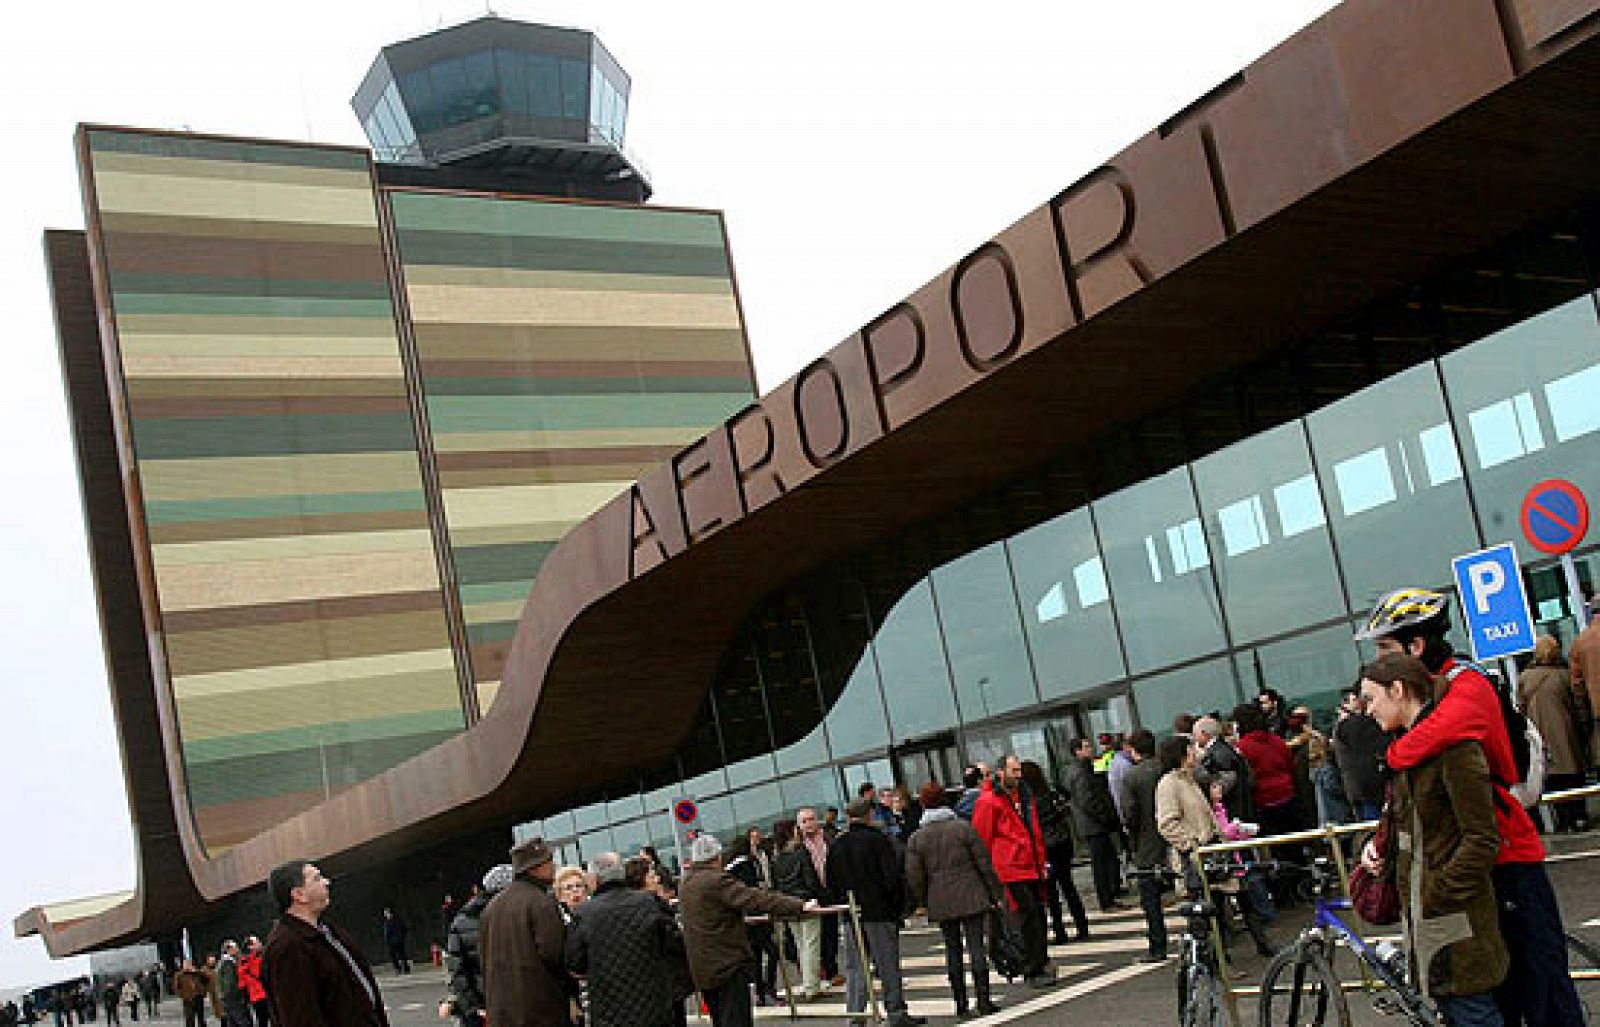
[(1199, 978), (1313, 995)]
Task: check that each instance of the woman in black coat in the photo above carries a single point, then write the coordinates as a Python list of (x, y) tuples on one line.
[(745, 860), (1055, 823)]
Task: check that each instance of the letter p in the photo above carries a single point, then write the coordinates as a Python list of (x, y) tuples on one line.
[(1488, 579)]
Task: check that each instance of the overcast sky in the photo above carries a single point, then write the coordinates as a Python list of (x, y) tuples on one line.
[(857, 149)]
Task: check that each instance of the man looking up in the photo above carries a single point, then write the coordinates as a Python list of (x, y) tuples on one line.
[(1006, 821), (1538, 989), (314, 974)]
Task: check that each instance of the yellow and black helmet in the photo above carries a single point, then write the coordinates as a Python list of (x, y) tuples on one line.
[(1407, 609)]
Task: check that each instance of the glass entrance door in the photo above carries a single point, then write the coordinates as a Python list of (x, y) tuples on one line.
[(929, 759)]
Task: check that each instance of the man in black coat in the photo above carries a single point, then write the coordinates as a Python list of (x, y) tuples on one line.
[(394, 936), (1148, 848), (1358, 745), (864, 864), (625, 942), (1095, 816), (314, 974)]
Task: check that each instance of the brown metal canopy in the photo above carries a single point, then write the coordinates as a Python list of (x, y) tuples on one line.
[(1368, 150)]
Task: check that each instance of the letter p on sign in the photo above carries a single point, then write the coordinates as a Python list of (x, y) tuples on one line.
[(1488, 580)]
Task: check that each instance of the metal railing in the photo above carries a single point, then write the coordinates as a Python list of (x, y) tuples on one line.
[(864, 965), (1329, 834)]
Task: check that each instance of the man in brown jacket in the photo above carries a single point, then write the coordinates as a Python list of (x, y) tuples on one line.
[(314, 974), (1585, 664), (522, 944), (714, 904)]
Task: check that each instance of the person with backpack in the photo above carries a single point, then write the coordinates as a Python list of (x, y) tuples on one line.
[(1007, 822), (1055, 823), (1538, 990)]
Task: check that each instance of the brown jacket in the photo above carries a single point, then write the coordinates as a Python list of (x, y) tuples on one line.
[(310, 985), (1585, 659), (1547, 697), (713, 903), (522, 947), (1444, 809), (948, 868), (189, 985)]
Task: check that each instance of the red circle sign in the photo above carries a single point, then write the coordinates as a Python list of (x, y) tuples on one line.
[(686, 811), (1555, 516)]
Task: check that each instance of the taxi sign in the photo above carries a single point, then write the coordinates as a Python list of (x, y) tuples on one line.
[(1493, 603)]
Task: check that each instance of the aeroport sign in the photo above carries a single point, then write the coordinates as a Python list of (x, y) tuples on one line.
[(1232, 160)]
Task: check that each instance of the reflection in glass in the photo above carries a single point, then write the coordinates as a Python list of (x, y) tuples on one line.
[(1165, 618), (1309, 669), (1069, 627), (855, 724), (1196, 689), (983, 634), (818, 789), (1390, 528), (1366, 481), (1573, 410), (1271, 583), (916, 682), (1525, 396)]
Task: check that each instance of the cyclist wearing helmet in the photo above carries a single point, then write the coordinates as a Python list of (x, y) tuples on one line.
[(1415, 621)]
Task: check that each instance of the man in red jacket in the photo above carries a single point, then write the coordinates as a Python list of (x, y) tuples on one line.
[(1007, 822), (1537, 990)]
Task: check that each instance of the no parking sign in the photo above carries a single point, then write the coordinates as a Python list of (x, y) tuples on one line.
[(1555, 516)]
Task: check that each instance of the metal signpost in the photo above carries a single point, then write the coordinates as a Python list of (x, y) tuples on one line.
[(1555, 518), (1495, 606)]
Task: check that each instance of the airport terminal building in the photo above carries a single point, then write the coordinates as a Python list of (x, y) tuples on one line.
[(462, 443)]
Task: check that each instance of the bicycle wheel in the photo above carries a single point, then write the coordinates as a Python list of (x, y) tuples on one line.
[(1300, 990), (1203, 1007), (1583, 963)]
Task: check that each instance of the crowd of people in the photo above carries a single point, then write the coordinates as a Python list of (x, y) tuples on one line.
[(1430, 745)]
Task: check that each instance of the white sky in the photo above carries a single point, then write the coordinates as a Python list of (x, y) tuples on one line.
[(857, 149)]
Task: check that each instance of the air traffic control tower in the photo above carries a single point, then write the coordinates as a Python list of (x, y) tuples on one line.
[(505, 106)]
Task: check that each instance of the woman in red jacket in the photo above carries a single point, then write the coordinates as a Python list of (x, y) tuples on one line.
[(250, 980), (1272, 767)]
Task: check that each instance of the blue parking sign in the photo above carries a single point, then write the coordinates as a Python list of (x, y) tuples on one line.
[(1493, 603)]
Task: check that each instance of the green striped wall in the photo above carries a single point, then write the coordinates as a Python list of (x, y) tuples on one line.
[(304, 620), (565, 349)]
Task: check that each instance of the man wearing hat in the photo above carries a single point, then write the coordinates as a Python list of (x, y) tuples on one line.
[(714, 903), (522, 946), (865, 864), (1585, 663)]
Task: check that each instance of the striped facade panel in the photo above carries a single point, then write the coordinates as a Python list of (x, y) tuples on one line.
[(299, 591), (565, 348)]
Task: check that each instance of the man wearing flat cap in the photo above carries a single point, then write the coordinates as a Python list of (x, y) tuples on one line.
[(522, 946), (714, 904)]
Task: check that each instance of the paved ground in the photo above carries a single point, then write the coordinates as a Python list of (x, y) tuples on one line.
[(1099, 983)]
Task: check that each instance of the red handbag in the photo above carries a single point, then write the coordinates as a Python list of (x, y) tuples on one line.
[(1376, 897)]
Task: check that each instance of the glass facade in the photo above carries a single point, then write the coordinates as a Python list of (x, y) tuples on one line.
[(1157, 590)]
